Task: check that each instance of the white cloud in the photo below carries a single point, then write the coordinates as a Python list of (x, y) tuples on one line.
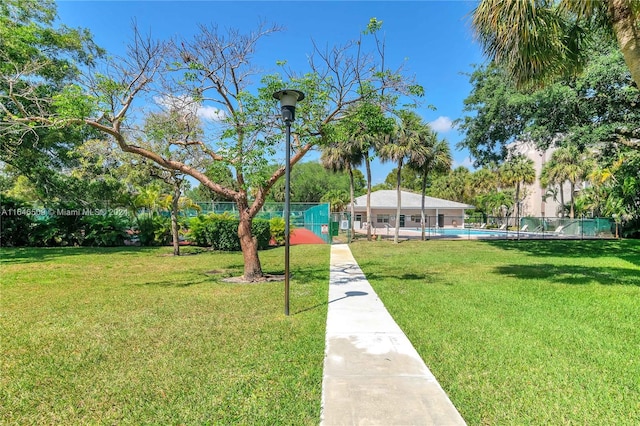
[(441, 124), (187, 104), (207, 112), (466, 162)]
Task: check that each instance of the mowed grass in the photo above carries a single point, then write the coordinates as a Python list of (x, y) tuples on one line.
[(528, 332), (133, 336)]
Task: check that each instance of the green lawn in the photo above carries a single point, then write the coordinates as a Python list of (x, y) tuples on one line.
[(133, 336), (528, 332)]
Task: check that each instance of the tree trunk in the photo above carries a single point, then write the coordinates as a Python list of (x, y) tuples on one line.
[(518, 205), (422, 218), (571, 210), (398, 207), (175, 228), (352, 197), (369, 221), (561, 200), (627, 33), (249, 246)]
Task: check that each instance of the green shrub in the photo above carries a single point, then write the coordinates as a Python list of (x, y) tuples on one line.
[(277, 230), (261, 230), (223, 234), (105, 230), (63, 226), (15, 226), (220, 232), (60, 224), (153, 230), (196, 233)]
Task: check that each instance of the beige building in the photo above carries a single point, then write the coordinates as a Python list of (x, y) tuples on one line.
[(538, 202), (438, 212)]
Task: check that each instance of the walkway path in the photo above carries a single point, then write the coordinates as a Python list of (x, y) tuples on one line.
[(372, 373)]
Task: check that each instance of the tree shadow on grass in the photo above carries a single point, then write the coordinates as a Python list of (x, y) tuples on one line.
[(408, 278), (628, 250), (574, 275), (175, 283), (19, 255)]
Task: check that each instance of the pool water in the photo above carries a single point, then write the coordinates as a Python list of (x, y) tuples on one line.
[(462, 232)]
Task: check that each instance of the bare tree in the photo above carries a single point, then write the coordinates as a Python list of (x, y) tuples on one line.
[(211, 76)]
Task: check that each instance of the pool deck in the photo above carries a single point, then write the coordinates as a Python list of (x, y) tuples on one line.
[(477, 234)]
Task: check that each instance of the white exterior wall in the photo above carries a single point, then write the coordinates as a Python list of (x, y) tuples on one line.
[(533, 205), (452, 217)]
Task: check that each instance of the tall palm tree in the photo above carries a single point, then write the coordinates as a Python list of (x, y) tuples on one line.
[(369, 130), (404, 145), (435, 156), (343, 156), (538, 39), (550, 176), (367, 143), (484, 182), (515, 172), (573, 166)]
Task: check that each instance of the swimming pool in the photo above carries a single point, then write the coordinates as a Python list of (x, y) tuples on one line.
[(463, 233)]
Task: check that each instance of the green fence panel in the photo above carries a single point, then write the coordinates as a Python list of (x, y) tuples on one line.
[(316, 219)]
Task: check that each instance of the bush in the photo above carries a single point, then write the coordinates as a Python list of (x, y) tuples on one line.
[(62, 227), (277, 230), (630, 229), (196, 233), (14, 228), (153, 230), (220, 232), (105, 230), (215, 230), (61, 224), (261, 230)]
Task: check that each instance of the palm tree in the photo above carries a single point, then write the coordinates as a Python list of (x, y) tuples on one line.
[(518, 170), (550, 176), (341, 156), (601, 180), (574, 166), (369, 130), (368, 144), (536, 40), (404, 145), (434, 156), (149, 197), (337, 199), (484, 182)]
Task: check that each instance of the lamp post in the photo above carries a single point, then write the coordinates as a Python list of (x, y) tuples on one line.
[(288, 99)]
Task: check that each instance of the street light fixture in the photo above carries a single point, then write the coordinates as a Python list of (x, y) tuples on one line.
[(288, 99)]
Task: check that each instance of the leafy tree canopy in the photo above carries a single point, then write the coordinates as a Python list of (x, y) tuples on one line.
[(599, 106), (36, 62)]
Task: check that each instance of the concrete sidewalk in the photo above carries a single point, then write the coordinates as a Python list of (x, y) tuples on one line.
[(372, 373)]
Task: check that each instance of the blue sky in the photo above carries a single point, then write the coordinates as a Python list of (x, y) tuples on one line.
[(433, 39)]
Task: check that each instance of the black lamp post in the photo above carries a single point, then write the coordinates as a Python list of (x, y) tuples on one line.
[(288, 99)]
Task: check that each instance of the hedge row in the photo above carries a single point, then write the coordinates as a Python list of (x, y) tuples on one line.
[(20, 225), (220, 232)]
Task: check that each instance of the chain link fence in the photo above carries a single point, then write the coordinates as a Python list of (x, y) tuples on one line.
[(478, 227)]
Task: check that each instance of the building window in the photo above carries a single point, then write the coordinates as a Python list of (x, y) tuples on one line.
[(382, 218), (358, 217), (416, 218)]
